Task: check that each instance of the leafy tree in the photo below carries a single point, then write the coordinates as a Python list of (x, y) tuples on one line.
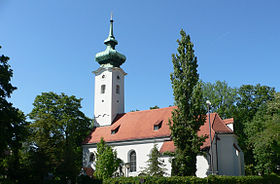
[(267, 147), (221, 96), (250, 100), (58, 128), (155, 165), (13, 127), (264, 137), (189, 114), (154, 107), (106, 161)]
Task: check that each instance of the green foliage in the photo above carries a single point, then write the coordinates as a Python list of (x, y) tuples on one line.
[(267, 147), (13, 127), (154, 107), (155, 166), (272, 179), (6, 74), (264, 137), (106, 161), (58, 127), (250, 100), (221, 96), (189, 115), (84, 179)]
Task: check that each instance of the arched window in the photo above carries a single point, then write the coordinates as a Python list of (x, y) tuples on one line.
[(118, 89), (92, 157), (103, 89), (132, 161)]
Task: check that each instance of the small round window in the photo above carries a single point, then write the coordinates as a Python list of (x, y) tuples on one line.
[(103, 76), (118, 77)]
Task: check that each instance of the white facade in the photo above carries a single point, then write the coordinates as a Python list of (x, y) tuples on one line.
[(141, 148), (202, 166), (109, 94), (230, 126), (230, 157), (227, 160)]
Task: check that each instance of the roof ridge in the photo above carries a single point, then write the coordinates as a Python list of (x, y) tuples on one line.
[(229, 121), (222, 123), (140, 124), (150, 109)]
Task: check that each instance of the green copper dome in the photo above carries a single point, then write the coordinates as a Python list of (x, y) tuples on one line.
[(110, 55)]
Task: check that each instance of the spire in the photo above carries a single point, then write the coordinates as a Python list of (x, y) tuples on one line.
[(111, 41), (110, 55), (111, 26)]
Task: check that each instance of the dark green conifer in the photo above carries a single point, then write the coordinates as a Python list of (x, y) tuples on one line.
[(155, 164), (190, 113)]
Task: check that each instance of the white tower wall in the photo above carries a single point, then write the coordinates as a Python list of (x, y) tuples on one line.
[(109, 102)]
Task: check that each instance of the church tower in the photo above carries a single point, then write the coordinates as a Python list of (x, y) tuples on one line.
[(109, 83)]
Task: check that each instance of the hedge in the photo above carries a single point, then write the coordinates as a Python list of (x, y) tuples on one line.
[(271, 179)]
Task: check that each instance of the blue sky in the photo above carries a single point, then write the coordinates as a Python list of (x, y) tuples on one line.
[(52, 44)]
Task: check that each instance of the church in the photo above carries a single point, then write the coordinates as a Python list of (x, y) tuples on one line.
[(134, 134)]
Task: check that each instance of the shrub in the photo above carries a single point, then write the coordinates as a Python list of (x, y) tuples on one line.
[(271, 179), (83, 179)]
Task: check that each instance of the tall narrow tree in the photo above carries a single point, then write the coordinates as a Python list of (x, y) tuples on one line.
[(190, 113)]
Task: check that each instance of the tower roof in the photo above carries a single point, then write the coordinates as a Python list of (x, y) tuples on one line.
[(110, 56)]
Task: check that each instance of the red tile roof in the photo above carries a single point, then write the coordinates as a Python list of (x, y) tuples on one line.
[(140, 125), (167, 146), (229, 121), (217, 126)]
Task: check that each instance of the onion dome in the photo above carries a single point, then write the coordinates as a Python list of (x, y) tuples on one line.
[(110, 56)]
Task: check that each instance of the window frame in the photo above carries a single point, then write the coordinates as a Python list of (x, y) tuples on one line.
[(103, 89), (132, 161), (117, 89)]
